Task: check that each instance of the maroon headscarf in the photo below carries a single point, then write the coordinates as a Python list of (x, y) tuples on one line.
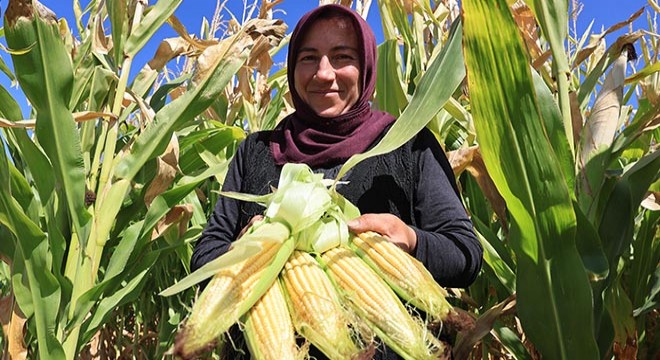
[(304, 136)]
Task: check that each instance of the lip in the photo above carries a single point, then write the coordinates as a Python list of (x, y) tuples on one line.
[(324, 92)]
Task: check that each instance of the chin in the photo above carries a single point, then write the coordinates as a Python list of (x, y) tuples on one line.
[(328, 113)]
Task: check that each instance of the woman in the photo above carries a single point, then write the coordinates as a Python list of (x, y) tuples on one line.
[(409, 195)]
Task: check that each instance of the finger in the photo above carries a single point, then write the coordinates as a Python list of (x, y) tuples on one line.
[(252, 221), (379, 223)]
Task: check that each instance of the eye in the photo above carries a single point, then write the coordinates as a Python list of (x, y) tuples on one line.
[(344, 57), (307, 58)]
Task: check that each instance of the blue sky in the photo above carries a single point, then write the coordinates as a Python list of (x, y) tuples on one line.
[(604, 13)]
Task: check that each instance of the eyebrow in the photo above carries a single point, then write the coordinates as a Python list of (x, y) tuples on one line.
[(336, 48)]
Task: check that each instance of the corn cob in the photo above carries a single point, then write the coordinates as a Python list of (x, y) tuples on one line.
[(317, 313), (374, 301), (405, 275), (232, 292), (268, 327)]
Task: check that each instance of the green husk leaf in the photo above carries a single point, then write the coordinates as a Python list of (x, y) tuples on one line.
[(243, 248)]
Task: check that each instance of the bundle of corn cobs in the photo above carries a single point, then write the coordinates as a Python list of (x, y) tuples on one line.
[(300, 271)]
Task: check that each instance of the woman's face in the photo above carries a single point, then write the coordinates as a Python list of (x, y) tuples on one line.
[(327, 70)]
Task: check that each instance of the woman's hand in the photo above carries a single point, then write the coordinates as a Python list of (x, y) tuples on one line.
[(389, 226), (254, 219)]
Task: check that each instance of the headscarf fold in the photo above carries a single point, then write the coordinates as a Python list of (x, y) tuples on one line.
[(306, 137)]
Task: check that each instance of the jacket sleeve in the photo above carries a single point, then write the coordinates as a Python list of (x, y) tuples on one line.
[(223, 225), (446, 242)]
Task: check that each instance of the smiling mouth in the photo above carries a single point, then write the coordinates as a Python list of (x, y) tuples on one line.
[(324, 92)]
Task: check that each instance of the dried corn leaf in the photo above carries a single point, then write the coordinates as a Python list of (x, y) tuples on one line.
[(477, 169), (180, 29), (4, 123), (526, 21), (482, 327), (470, 160), (78, 117), (576, 116), (167, 50), (266, 9), (584, 53), (166, 171), (13, 323), (652, 202), (178, 217), (460, 159)]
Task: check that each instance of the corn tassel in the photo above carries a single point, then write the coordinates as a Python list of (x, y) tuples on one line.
[(268, 328), (231, 293), (405, 274), (375, 302), (317, 312)]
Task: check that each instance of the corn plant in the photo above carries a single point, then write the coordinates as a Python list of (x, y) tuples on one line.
[(101, 182), (572, 187)]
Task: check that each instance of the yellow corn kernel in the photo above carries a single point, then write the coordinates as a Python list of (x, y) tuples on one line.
[(317, 312), (373, 300), (268, 327), (405, 274)]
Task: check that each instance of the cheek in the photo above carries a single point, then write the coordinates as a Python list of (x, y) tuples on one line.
[(299, 81), (353, 79)]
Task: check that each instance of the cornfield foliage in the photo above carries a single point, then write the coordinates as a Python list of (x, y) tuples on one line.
[(109, 180)]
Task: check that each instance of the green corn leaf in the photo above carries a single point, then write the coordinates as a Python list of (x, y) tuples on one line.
[(45, 292), (495, 254), (440, 81), (20, 188), (644, 273), (616, 226), (652, 300), (390, 94), (105, 214), (84, 64), (159, 97), (19, 276), (117, 11), (646, 114), (38, 163), (511, 342), (553, 19), (128, 293), (648, 70), (590, 247), (155, 18), (46, 77), (117, 266), (519, 158), (620, 310), (5, 69), (552, 121), (9, 108)]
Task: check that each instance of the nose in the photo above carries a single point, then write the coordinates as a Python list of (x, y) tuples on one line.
[(325, 71)]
